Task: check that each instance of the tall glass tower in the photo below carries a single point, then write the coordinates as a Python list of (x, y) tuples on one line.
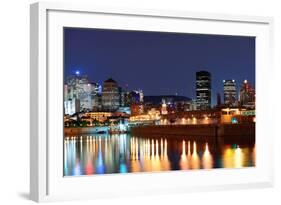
[(110, 95), (203, 90), (229, 92)]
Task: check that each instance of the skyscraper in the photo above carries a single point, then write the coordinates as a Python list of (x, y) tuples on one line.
[(75, 86), (203, 90), (247, 95), (79, 88), (110, 95), (229, 92), (71, 106)]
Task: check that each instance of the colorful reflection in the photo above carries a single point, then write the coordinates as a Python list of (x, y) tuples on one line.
[(207, 159), (237, 157), (104, 154)]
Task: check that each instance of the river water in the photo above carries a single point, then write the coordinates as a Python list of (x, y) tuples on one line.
[(123, 153)]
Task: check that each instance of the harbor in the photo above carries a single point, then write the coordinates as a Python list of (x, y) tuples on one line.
[(209, 130)]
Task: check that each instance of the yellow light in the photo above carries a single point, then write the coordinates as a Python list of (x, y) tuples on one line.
[(183, 120), (207, 160), (194, 148), (137, 150), (152, 148), (195, 161), (184, 163), (165, 148), (161, 147), (194, 120), (228, 158), (183, 149), (157, 152), (238, 158)]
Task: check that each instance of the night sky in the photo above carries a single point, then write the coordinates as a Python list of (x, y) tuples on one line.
[(156, 62)]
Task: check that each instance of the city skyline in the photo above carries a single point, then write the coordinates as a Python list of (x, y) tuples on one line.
[(145, 101), (156, 57)]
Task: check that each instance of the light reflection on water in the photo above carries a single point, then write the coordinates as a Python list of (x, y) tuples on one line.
[(101, 154)]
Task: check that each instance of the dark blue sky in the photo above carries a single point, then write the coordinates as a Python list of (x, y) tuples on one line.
[(156, 62)]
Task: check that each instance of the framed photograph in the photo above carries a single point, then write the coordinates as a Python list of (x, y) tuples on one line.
[(128, 102)]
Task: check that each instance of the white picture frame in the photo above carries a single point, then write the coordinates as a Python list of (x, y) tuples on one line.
[(47, 182)]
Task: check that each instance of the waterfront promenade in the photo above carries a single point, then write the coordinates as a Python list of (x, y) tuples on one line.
[(212, 130), (208, 130)]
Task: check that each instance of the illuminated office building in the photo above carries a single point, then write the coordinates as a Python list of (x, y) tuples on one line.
[(110, 95), (79, 88), (229, 92), (71, 106), (247, 95), (203, 90)]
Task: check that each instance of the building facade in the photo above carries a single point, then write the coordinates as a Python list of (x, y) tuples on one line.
[(229, 93), (132, 97), (71, 106), (98, 116), (97, 103), (203, 90), (136, 109), (110, 95), (247, 95), (78, 87), (164, 107)]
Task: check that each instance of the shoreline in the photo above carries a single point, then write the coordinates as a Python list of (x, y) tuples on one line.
[(212, 130)]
